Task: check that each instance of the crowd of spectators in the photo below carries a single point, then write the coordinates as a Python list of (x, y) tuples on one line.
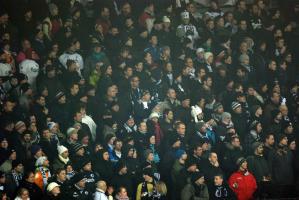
[(140, 99)]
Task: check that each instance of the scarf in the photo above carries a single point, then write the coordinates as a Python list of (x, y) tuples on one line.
[(44, 171), (17, 177), (158, 133), (221, 192), (130, 129), (64, 160), (70, 175)]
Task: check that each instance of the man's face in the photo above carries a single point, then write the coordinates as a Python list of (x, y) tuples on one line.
[(126, 9), (9, 106), (198, 151), (270, 140), (75, 89), (82, 183), (27, 137), (284, 141), (244, 166), (213, 158), (87, 167), (218, 180), (181, 129), (135, 82), (259, 150), (142, 127), (236, 142), (171, 94), (243, 25), (275, 98), (62, 175), (19, 168), (4, 19), (209, 82)]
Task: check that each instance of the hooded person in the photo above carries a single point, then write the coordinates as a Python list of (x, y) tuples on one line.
[(196, 189), (122, 178), (63, 158), (78, 190), (130, 156), (145, 188), (103, 165)]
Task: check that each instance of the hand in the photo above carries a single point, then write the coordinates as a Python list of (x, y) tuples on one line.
[(235, 185)]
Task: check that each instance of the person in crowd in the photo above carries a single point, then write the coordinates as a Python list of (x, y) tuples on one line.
[(100, 191), (109, 88), (220, 189), (196, 189), (242, 182)]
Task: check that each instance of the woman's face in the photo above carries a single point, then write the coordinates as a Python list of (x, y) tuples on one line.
[(55, 191), (106, 156), (4, 144), (292, 145), (123, 193), (30, 178), (150, 157), (152, 140), (25, 195)]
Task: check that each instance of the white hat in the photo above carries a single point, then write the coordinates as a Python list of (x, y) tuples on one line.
[(200, 50), (207, 55), (185, 15), (51, 186), (153, 115), (61, 149), (40, 161), (166, 19), (196, 110)]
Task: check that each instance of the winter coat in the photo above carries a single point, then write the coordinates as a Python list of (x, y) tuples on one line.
[(35, 193), (188, 192), (243, 184), (281, 166), (259, 167), (222, 192), (143, 188)]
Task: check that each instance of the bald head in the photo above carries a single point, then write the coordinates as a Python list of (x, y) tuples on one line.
[(102, 185)]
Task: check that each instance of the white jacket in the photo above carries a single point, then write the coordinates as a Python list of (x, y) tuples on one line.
[(100, 195)]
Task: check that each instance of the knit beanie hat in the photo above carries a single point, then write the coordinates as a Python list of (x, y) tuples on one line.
[(216, 106), (179, 153), (235, 105), (195, 176), (61, 149), (255, 145), (240, 161), (40, 161), (77, 147)]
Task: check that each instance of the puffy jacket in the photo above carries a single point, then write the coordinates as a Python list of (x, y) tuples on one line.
[(243, 184)]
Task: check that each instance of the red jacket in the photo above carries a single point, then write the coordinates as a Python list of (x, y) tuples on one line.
[(243, 184)]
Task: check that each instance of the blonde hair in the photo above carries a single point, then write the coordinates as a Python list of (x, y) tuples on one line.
[(161, 188)]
